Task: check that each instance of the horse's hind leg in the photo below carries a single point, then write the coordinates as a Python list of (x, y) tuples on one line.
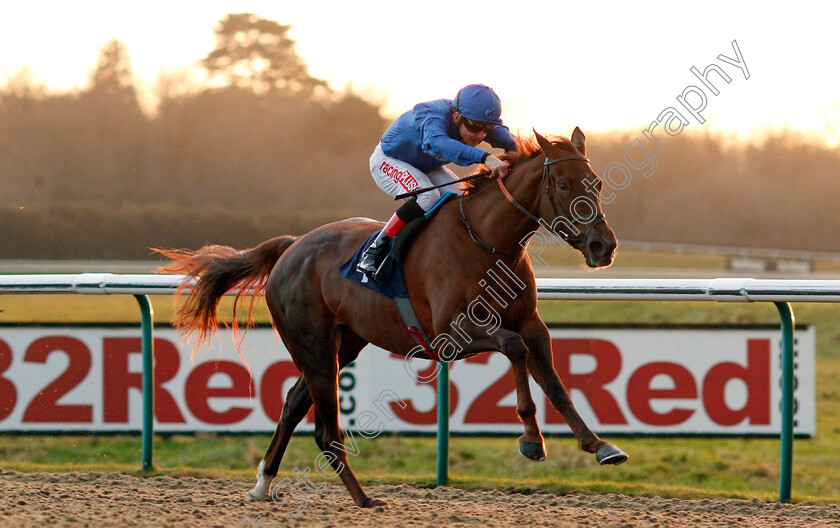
[(298, 402), (324, 390), (320, 362), (348, 351)]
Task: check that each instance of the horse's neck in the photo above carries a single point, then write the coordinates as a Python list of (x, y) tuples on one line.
[(496, 220)]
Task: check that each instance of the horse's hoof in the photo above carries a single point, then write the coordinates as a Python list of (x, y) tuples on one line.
[(252, 497), (373, 503), (262, 488), (533, 451), (609, 454)]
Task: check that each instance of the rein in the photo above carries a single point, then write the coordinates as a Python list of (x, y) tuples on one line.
[(546, 179), (477, 239)]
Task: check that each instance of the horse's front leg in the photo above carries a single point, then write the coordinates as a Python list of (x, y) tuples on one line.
[(531, 444), (540, 364)]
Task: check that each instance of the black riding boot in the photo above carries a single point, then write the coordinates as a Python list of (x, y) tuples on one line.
[(375, 255)]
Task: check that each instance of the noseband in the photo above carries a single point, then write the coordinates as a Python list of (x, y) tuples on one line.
[(546, 185)]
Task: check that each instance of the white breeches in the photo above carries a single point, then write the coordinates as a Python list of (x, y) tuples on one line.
[(396, 177)]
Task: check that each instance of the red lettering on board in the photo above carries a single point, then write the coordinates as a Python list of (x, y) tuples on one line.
[(639, 393), (409, 413), (271, 387), (197, 393), (756, 376), (485, 408), (8, 392), (607, 367), (44, 407), (117, 379)]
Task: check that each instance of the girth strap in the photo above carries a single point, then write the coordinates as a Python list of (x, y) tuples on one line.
[(415, 329)]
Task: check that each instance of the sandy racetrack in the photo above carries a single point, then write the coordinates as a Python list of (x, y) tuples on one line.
[(110, 499)]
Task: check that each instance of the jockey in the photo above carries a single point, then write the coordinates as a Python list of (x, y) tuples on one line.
[(415, 148)]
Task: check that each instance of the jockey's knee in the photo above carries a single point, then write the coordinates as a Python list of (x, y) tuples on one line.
[(428, 199), (410, 210)]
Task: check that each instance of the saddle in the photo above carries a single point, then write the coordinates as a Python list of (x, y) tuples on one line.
[(392, 283)]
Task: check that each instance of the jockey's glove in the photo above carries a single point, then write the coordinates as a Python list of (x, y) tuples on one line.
[(497, 167)]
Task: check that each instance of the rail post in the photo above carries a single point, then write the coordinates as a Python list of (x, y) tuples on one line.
[(147, 329), (786, 458), (443, 424)]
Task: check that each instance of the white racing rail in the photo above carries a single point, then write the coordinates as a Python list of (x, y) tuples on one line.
[(722, 290), (778, 291)]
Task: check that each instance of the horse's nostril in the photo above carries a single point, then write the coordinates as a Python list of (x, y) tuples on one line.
[(596, 248)]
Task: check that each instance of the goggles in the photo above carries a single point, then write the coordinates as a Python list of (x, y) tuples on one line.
[(477, 126)]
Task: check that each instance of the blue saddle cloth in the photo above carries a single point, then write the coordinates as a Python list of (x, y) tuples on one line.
[(392, 283)]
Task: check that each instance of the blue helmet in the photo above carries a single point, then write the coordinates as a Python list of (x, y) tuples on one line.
[(478, 103)]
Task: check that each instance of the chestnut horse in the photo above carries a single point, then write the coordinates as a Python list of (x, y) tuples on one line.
[(325, 320)]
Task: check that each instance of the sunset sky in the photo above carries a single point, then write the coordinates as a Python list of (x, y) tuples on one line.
[(599, 65)]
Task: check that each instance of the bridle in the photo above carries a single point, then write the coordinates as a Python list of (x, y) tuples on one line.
[(546, 185), (547, 180)]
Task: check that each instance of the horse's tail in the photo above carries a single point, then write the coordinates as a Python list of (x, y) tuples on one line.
[(214, 271)]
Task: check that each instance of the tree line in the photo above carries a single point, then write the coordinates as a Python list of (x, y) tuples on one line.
[(263, 148), (778, 191)]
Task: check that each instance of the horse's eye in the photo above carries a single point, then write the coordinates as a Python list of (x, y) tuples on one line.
[(563, 186)]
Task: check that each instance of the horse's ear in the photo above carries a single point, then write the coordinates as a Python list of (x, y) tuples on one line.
[(579, 140), (545, 144)]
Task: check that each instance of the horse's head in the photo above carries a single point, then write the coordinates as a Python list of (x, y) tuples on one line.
[(571, 205)]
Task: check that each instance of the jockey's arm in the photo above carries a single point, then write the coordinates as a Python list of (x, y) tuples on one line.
[(436, 142), (500, 137)]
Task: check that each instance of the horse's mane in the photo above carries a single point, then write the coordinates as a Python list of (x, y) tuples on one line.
[(526, 148)]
